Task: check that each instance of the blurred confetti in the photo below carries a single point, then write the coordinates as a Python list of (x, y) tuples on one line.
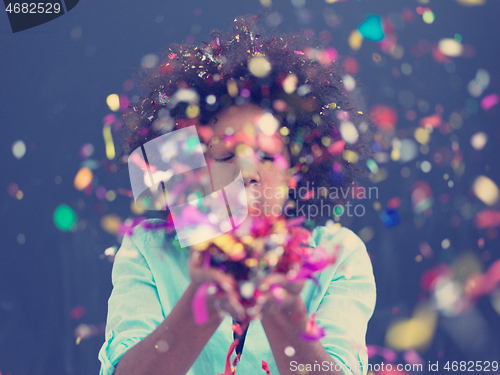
[(371, 28), (428, 134), (108, 140), (64, 218), (83, 178), (18, 149), (414, 333), (486, 190)]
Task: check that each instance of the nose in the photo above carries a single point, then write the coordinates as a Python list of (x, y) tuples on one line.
[(250, 175), (246, 159)]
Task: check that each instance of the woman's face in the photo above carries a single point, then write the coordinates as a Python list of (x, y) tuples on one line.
[(248, 138)]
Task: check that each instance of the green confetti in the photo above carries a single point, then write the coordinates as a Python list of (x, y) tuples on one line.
[(338, 211), (428, 16), (64, 217), (372, 165)]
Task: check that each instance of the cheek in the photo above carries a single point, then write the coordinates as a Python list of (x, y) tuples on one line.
[(276, 182)]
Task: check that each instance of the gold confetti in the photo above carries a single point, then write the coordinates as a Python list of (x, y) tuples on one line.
[(108, 140), (414, 333), (355, 40), (113, 102), (83, 178)]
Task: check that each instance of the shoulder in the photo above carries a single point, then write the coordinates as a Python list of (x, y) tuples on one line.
[(148, 234), (352, 258), (335, 234)]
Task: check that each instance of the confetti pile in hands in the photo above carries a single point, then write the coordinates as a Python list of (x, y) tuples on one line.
[(267, 247)]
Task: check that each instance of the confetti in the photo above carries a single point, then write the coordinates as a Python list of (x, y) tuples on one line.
[(414, 333), (450, 47), (490, 101), (111, 223), (83, 178), (355, 40), (64, 218), (349, 132), (471, 2), (18, 149), (113, 102), (268, 124), (485, 189), (108, 140), (259, 67), (371, 28), (313, 331), (86, 150), (385, 118)]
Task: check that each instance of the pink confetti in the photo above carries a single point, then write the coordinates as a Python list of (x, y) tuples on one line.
[(199, 304), (412, 357), (227, 369), (265, 367), (280, 161), (337, 148), (313, 331), (433, 120), (487, 219), (109, 119), (124, 102), (478, 285), (387, 354), (490, 101)]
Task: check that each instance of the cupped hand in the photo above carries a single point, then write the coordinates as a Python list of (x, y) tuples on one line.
[(278, 294), (223, 297)]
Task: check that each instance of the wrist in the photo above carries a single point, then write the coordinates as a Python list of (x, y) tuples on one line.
[(294, 311)]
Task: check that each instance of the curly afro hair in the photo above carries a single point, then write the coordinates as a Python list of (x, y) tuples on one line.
[(296, 78)]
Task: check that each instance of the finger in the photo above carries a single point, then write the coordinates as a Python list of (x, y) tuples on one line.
[(293, 287), (231, 305), (226, 282)]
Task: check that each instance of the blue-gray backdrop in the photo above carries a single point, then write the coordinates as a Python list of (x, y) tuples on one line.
[(55, 79)]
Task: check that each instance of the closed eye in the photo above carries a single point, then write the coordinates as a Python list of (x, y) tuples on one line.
[(266, 157), (225, 159)]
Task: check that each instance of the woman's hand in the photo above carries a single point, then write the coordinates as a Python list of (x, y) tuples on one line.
[(222, 293), (279, 296)]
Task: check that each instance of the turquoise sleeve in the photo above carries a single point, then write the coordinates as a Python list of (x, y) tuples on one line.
[(134, 309), (347, 306)]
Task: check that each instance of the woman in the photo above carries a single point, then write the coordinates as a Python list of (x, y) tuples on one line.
[(270, 106)]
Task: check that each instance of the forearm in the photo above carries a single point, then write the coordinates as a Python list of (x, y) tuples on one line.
[(283, 329), (185, 342)]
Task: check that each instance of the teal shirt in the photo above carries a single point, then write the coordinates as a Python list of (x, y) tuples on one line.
[(150, 275)]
